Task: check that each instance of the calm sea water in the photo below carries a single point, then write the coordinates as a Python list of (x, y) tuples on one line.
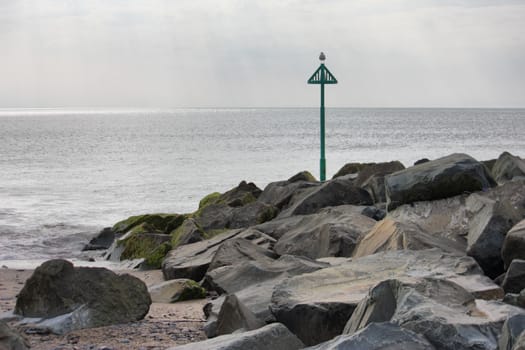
[(64, 174)]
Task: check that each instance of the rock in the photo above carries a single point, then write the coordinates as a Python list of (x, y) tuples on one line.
[(334, 231), (188, 232), (441, 178), (351, 168), (377, 336), (331, 193), (302, 176), (512, 328), (328, 297), (253, 283), (391, 235), (372, 179), (520, 342), (279, 194), (274, 336), (152, 247), (11, 340), (421, 161), (72, 298), (514, 280), (164, 223), (101, 241), (514, 244), (512, 192), (443, 312), (234, 316), (508, 168), (487, 229), (176, 290), (239, 250), (192, 260)]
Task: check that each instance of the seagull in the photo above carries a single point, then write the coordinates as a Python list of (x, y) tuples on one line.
[(322, 57)]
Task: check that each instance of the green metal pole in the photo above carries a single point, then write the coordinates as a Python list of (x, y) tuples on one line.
[(323, 160)]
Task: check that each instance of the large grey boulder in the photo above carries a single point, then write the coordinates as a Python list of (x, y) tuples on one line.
[(514, 280), (331, 193), (508, 168), (441, 178), (10, 339), (443, 312), (333, 231), (389, 234), (188, 232), (279, 194), (514, 244), (239, 250), (274, 336), (70, 298), (192, 260), (377, 336), (372, 179), (487, 229), (512, 328), (328, 297), (520, 342)]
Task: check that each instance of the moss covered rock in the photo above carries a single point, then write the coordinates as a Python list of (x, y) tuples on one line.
[(158, 222), (176, 290), (152, 247)]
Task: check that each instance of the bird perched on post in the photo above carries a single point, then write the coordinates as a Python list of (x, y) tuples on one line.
[(322, 57)]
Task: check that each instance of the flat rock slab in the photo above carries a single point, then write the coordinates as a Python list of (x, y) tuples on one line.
[(274, 336), (328, 297)]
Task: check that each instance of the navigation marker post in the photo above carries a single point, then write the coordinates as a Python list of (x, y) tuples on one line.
[(322, 76)]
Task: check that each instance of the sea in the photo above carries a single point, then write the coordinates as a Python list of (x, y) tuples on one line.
[(67, 173)]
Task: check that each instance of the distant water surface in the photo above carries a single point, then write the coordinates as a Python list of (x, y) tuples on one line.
[(64, 174)]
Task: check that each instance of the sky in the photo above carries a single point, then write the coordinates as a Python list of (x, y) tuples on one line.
[(260, 53)]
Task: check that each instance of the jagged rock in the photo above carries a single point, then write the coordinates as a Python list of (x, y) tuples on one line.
[(279, 194), (331, 193), (234, 316), (192, 260), (239, 250), (377, 336), (487, 229), (101, 241), (334, 231), (274, 336), (164, 223), (372, 179), (327, 297), (441, 178), (508, 168), (11, 340), (514, 280), (176, 290), (444, 313), (351, 168), (391, 235), (253, 283), (512, 192), (512, 328), (70, 298), (188, 232), (514, 244)]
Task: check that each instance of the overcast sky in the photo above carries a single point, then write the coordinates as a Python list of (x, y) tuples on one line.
[(259, 53)]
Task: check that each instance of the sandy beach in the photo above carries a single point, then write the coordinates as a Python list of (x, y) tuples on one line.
[(166, 325)]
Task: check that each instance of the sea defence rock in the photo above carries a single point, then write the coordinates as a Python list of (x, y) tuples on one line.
[(328, 297), (372, 179), (488, 227), (441, 178), (11, 340), (188, 232), (331, 193), (508, 168), (192, 260), (234, 315), (512, 328), (391, 235), (514, 244), (274, 336), (443, 312), (514, 280), (377, 336), (69, 298), (278, 194), (333, 231), (176, 290)]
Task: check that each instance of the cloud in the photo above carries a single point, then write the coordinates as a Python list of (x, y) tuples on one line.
[(156, 53)]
